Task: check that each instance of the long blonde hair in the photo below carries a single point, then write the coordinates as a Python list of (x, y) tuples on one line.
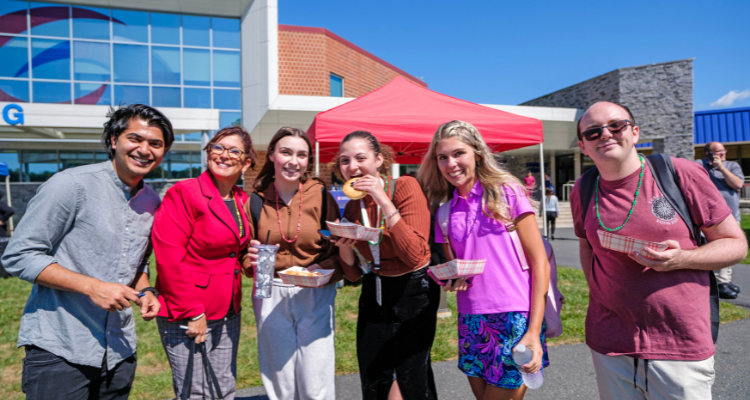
[(491, 176)]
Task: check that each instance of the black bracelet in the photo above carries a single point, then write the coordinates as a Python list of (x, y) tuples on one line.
[(152, 290)]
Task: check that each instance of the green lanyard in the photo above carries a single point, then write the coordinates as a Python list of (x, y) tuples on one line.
[(632, 207)]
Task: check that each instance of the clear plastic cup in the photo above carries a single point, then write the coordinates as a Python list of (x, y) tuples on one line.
[(265, 270)]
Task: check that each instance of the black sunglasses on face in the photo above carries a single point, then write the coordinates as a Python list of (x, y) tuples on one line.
[(615, 127)]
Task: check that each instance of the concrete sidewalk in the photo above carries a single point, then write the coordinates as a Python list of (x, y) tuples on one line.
[(571, 373)]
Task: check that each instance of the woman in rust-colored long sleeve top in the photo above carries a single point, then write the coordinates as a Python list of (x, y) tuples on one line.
[(398, 304)]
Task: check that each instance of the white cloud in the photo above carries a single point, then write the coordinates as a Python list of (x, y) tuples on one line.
[(729, 98)]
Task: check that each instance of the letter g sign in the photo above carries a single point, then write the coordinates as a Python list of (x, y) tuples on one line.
[(15, 118)]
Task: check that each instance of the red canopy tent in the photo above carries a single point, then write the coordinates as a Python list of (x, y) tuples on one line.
[(405, 116)]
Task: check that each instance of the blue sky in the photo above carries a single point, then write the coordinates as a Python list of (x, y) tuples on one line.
[(504, 52)]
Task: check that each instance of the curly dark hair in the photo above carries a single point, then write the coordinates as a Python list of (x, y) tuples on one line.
[(375, 146), (120, 118)]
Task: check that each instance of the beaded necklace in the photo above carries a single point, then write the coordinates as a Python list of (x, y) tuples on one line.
[(632, 207), (239, 217), (278, 215), (382, 217)]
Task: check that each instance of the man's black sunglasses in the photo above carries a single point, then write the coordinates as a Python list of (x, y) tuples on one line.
[(615, 127)]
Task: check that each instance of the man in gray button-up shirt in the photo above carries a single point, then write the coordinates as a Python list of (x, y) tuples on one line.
[(84, 244)]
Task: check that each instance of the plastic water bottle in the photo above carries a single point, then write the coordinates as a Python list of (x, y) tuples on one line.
[(522, 356)]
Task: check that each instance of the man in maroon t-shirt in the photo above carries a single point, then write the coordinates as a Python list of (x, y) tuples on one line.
[(648, 318)]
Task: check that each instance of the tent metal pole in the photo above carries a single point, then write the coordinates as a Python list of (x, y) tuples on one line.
[(7, 192), (542, 205), (317, 158)]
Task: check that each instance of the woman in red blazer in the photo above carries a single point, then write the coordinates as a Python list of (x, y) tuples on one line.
[(198, 233)]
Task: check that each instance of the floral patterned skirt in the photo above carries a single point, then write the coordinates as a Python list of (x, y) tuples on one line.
[(485, 344)]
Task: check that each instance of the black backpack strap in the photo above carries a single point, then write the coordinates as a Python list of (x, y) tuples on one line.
[(586, 188), (256, 206), (668, 182), (324, 209)]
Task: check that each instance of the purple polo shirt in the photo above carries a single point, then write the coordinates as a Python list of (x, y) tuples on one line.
[(503, 286)]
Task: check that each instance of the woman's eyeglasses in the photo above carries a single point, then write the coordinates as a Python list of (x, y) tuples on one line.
[(233, 152), (614, 128)]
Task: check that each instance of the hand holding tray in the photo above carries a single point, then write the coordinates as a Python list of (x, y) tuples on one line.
[(354, 231), (625, 244), (455, 269)]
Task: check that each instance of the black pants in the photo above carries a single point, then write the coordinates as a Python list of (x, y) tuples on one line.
[(47, 376), (394, 340), (551, 224)]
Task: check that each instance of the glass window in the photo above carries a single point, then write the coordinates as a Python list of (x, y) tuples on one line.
[(197, 98), (13, 14), (165, 65), (14, 91), (131, 63), (70, 159), (14, 52), (50, 20), (165, 28), (226, 32), (38, 165), (229, 119), (177, 165), (92, 93), (91, 23), (131, 95), (166, 97), (130, 26), (195, 30), (337, 86), (192, 137), (51, 92), (91, 61), (196, 66), (50, 59), (10, 157), (227, 99), (226, 68)]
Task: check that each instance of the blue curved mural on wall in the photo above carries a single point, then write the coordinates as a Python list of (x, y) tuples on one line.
[(15, 23)]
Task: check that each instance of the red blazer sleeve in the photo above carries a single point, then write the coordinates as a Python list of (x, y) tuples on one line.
[(173, 227)]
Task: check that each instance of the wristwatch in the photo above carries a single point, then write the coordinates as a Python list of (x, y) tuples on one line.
[(152, 290)]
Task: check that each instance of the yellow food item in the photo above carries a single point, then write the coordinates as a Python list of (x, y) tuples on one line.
[(304, 273), (351, 192)]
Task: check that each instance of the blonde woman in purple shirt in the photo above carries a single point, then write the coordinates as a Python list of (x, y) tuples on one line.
[(504, 306)]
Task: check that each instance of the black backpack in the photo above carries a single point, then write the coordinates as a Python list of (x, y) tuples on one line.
[(668, 182), (256, 207)]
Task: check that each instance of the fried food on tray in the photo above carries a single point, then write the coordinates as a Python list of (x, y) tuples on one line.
[(304, 273)]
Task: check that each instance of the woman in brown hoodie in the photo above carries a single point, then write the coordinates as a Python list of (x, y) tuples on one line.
[(295, 325)]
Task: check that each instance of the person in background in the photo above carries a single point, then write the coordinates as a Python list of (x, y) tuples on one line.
[(548, 183), (84, 244), (648, 323), (727, 176), (199, 232), (5, 213), (552, 210), (295, 326), (398, 304), (504, 306), (529, 181)]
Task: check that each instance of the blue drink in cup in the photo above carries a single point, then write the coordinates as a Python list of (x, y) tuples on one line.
[(265, 269)]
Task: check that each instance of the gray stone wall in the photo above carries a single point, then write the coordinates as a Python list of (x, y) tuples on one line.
[(659, 95)]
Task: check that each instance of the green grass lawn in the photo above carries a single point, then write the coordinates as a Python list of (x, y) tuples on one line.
[(153, 376)]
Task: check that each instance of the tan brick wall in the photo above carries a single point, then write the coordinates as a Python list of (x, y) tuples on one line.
[(306, 60)]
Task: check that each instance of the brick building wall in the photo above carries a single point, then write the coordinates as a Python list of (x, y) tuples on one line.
[(659, 95), (307, 57)]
